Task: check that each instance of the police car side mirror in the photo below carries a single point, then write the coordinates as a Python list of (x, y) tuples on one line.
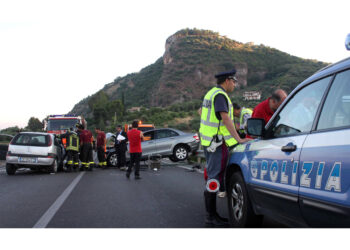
[(256, 126), (347, 42)]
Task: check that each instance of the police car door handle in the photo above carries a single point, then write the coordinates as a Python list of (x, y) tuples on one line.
[(289, 148)]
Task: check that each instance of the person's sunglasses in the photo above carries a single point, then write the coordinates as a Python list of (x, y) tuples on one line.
[(233, 78)]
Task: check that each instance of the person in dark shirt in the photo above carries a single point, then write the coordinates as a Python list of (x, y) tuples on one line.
[(267, 108), (121, 139), (101, 146)]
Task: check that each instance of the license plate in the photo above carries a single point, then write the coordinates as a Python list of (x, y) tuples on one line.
[(27, 159)]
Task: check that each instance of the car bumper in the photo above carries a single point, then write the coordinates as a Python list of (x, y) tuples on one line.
[(30, 161), (194, 146)]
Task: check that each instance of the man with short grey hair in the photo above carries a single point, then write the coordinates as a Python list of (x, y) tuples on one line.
[(267, 108)]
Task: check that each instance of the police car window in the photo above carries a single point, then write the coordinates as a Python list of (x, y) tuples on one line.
[(336, 110), (299, 113)]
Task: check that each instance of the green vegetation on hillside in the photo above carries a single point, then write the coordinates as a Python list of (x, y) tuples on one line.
[(193, 58)]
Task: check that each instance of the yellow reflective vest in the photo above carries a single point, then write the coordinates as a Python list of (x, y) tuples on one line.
[(209, 126), (73, 142)]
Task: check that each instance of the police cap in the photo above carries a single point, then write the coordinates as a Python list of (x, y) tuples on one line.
[(227, 74)]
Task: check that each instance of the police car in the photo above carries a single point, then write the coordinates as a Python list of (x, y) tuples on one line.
[(298, 170)]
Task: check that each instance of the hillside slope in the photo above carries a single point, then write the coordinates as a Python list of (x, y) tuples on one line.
[(191, 59)]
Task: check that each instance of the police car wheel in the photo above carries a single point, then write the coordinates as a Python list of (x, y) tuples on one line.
[(112, 160), (180, 153), (241, 213)]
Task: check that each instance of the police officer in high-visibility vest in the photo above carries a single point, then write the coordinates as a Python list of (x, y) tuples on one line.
[(217, 133), (241, 116), (72, 149)]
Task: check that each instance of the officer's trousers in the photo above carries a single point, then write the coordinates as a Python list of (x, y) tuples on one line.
[(216, 163)]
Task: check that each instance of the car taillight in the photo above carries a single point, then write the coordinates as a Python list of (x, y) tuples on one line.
[(196, 137), (50, 155), (8, 153), (50, 141)]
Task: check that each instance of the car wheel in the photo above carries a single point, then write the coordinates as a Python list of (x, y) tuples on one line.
[(180, 153), (10, 169), (54, 167), (241, 213), (173, 159), (112, 160)]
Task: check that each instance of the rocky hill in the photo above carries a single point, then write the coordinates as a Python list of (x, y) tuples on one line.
[(191, 59)]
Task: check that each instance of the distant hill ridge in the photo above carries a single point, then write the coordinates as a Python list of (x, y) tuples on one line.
[(191, 59)]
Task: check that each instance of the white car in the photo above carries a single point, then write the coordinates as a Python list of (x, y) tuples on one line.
[(35, 151)]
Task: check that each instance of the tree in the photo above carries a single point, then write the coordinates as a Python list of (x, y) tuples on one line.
[(34, 124), (11, 130)]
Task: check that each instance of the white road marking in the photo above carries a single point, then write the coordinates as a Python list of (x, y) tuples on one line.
[(50, 213)]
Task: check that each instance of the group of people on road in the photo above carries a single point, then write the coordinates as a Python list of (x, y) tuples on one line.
[(79, 147), (222, 126)]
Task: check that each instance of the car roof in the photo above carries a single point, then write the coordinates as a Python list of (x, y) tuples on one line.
[(328, 70), (36, 133), (158, 129)]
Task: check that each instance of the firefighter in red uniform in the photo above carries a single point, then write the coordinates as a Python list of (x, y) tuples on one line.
[(101, 145), (85, 137)]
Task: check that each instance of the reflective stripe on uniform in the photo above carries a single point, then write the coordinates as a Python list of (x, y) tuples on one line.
[(207, 138), (210, 124)]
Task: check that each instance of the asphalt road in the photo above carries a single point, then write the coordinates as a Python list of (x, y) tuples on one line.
[(169, 198)]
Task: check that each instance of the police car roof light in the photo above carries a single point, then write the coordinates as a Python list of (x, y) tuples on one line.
[(347, 42)]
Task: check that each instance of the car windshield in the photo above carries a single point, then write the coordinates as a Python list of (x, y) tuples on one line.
[(31, 140), (61, 124), (144, 129)]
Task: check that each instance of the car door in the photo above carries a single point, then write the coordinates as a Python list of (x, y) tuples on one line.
[(275, 158), (60, 150), (325, 162), (165, 139), (149, 146)]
